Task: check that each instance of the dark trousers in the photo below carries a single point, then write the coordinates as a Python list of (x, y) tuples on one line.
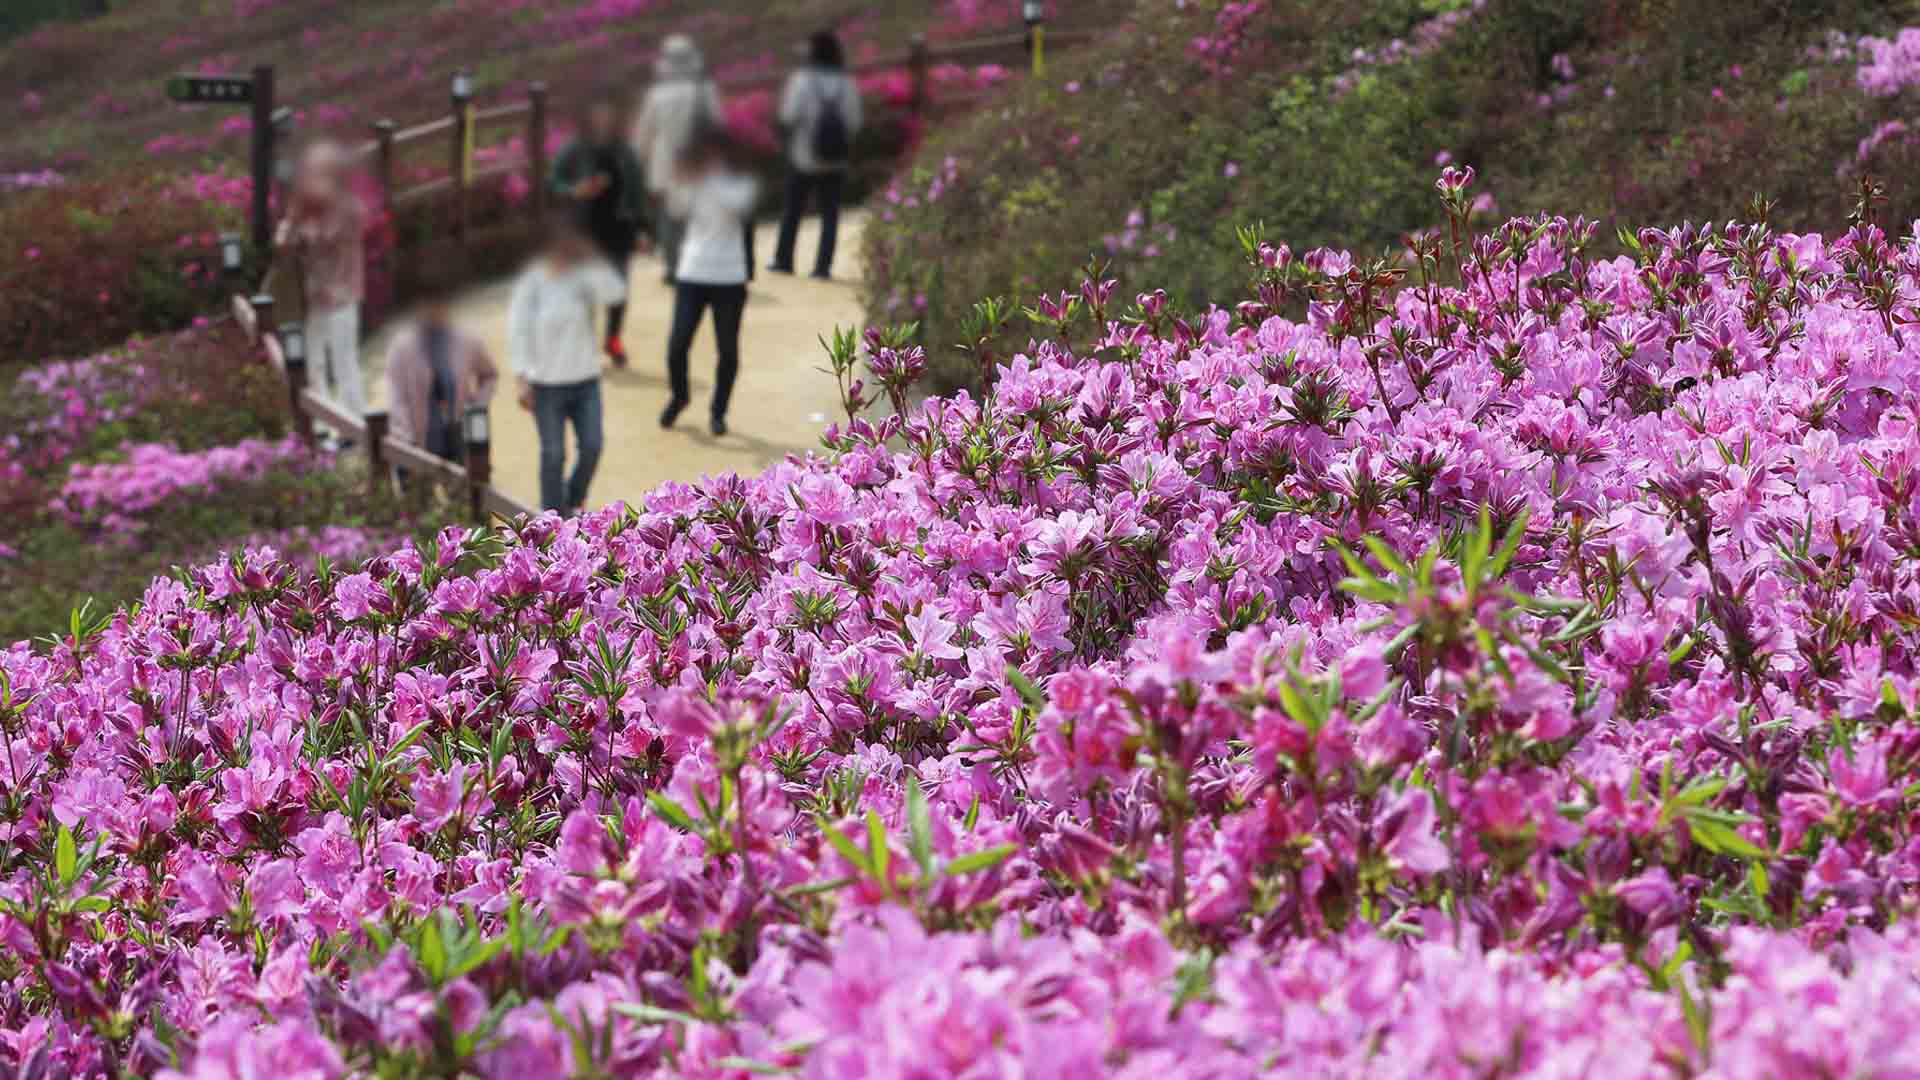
[(800, 186), (667, 233), (690, 302), (553, 408), (618, 251)]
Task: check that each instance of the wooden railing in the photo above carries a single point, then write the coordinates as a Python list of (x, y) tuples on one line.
[(461, 126), (385, 454)]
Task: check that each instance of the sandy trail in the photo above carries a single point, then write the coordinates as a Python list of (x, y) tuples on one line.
[(781, 402)]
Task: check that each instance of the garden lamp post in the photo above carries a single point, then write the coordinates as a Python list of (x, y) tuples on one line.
[(462, 170), (1035, 12), (232, 254), (476, 433), (293, 349)]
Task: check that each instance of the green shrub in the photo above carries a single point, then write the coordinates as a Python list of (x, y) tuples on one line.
[(90, 264), (1626, 113)]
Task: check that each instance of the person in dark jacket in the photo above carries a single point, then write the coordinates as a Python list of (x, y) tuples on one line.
[(602, 177), (822, 114)]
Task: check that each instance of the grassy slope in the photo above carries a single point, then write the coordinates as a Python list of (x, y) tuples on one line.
[(1670, 110)]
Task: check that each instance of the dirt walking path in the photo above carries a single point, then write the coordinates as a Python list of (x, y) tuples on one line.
[(781, 402)]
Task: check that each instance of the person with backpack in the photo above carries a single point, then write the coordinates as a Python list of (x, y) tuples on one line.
[(599, 173), (715, 195), (822, 114), (683, 101), (553, 355)]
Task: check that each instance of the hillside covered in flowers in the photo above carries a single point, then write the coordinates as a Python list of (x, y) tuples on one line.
[(1512, 676)]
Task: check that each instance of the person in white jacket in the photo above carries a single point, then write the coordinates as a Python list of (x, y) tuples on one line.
[(682, 101), (715, 196), (553, 351), (822, 114)]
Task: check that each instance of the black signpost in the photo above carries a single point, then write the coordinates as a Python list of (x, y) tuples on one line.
[(256, 91)]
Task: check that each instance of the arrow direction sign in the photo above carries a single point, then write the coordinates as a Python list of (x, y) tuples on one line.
[(211, 90)]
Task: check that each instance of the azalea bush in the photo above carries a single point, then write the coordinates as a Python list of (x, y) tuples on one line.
[(87, 265), (121, 465), (1507, 677), (1152, 146)]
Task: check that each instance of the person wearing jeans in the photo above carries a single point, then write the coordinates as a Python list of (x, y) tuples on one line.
[(323, 236), (715, 196), (553, 352), (821, 112)]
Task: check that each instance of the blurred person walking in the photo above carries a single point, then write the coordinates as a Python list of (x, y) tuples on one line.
[(435, 373), (714, 195), (821, 113), (323, 237), (682, 102), (556, 361), (601, 175)]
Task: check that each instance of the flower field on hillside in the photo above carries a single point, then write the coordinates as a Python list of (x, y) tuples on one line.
[(1514, 676)]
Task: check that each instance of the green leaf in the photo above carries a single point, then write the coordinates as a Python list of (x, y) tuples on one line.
[(760, 1068), (879, 855), (431, 952), (1387, 557), (653, 1014), (476, 957), (979, 860), (1024, 686), (919, 827), (845, 847), (671, 812), (1516, 535), (1721, 839), (66, 856)]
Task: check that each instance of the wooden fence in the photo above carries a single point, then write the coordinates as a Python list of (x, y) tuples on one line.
[(461, 128), (385, 454)]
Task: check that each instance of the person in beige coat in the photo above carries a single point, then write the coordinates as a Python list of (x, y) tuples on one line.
[(435, 372), (682, 102)]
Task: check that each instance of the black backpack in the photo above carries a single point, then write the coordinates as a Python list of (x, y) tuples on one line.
[(832, 142)]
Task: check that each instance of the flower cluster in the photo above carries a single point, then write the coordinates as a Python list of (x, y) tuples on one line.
[(28, 181), (1504, 663), (1888, 65), (113, 495), (1427, 37)]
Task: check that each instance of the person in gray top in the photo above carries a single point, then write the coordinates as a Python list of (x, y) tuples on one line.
[(822, 114), (682, 102)]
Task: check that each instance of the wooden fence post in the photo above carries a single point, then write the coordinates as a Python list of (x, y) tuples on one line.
[(537, 148), (383, 134), (262, 304), (376, 452), (462, 147), (293, 347), (263, 136), (917, 66)]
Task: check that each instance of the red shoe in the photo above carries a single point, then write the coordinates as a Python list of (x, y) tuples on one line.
[(617, 352)]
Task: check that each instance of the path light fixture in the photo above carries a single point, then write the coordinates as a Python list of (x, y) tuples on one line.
[(462, 86), (283, 165), (476, 427), (1035, 12), (232, 252), (293, 346)]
